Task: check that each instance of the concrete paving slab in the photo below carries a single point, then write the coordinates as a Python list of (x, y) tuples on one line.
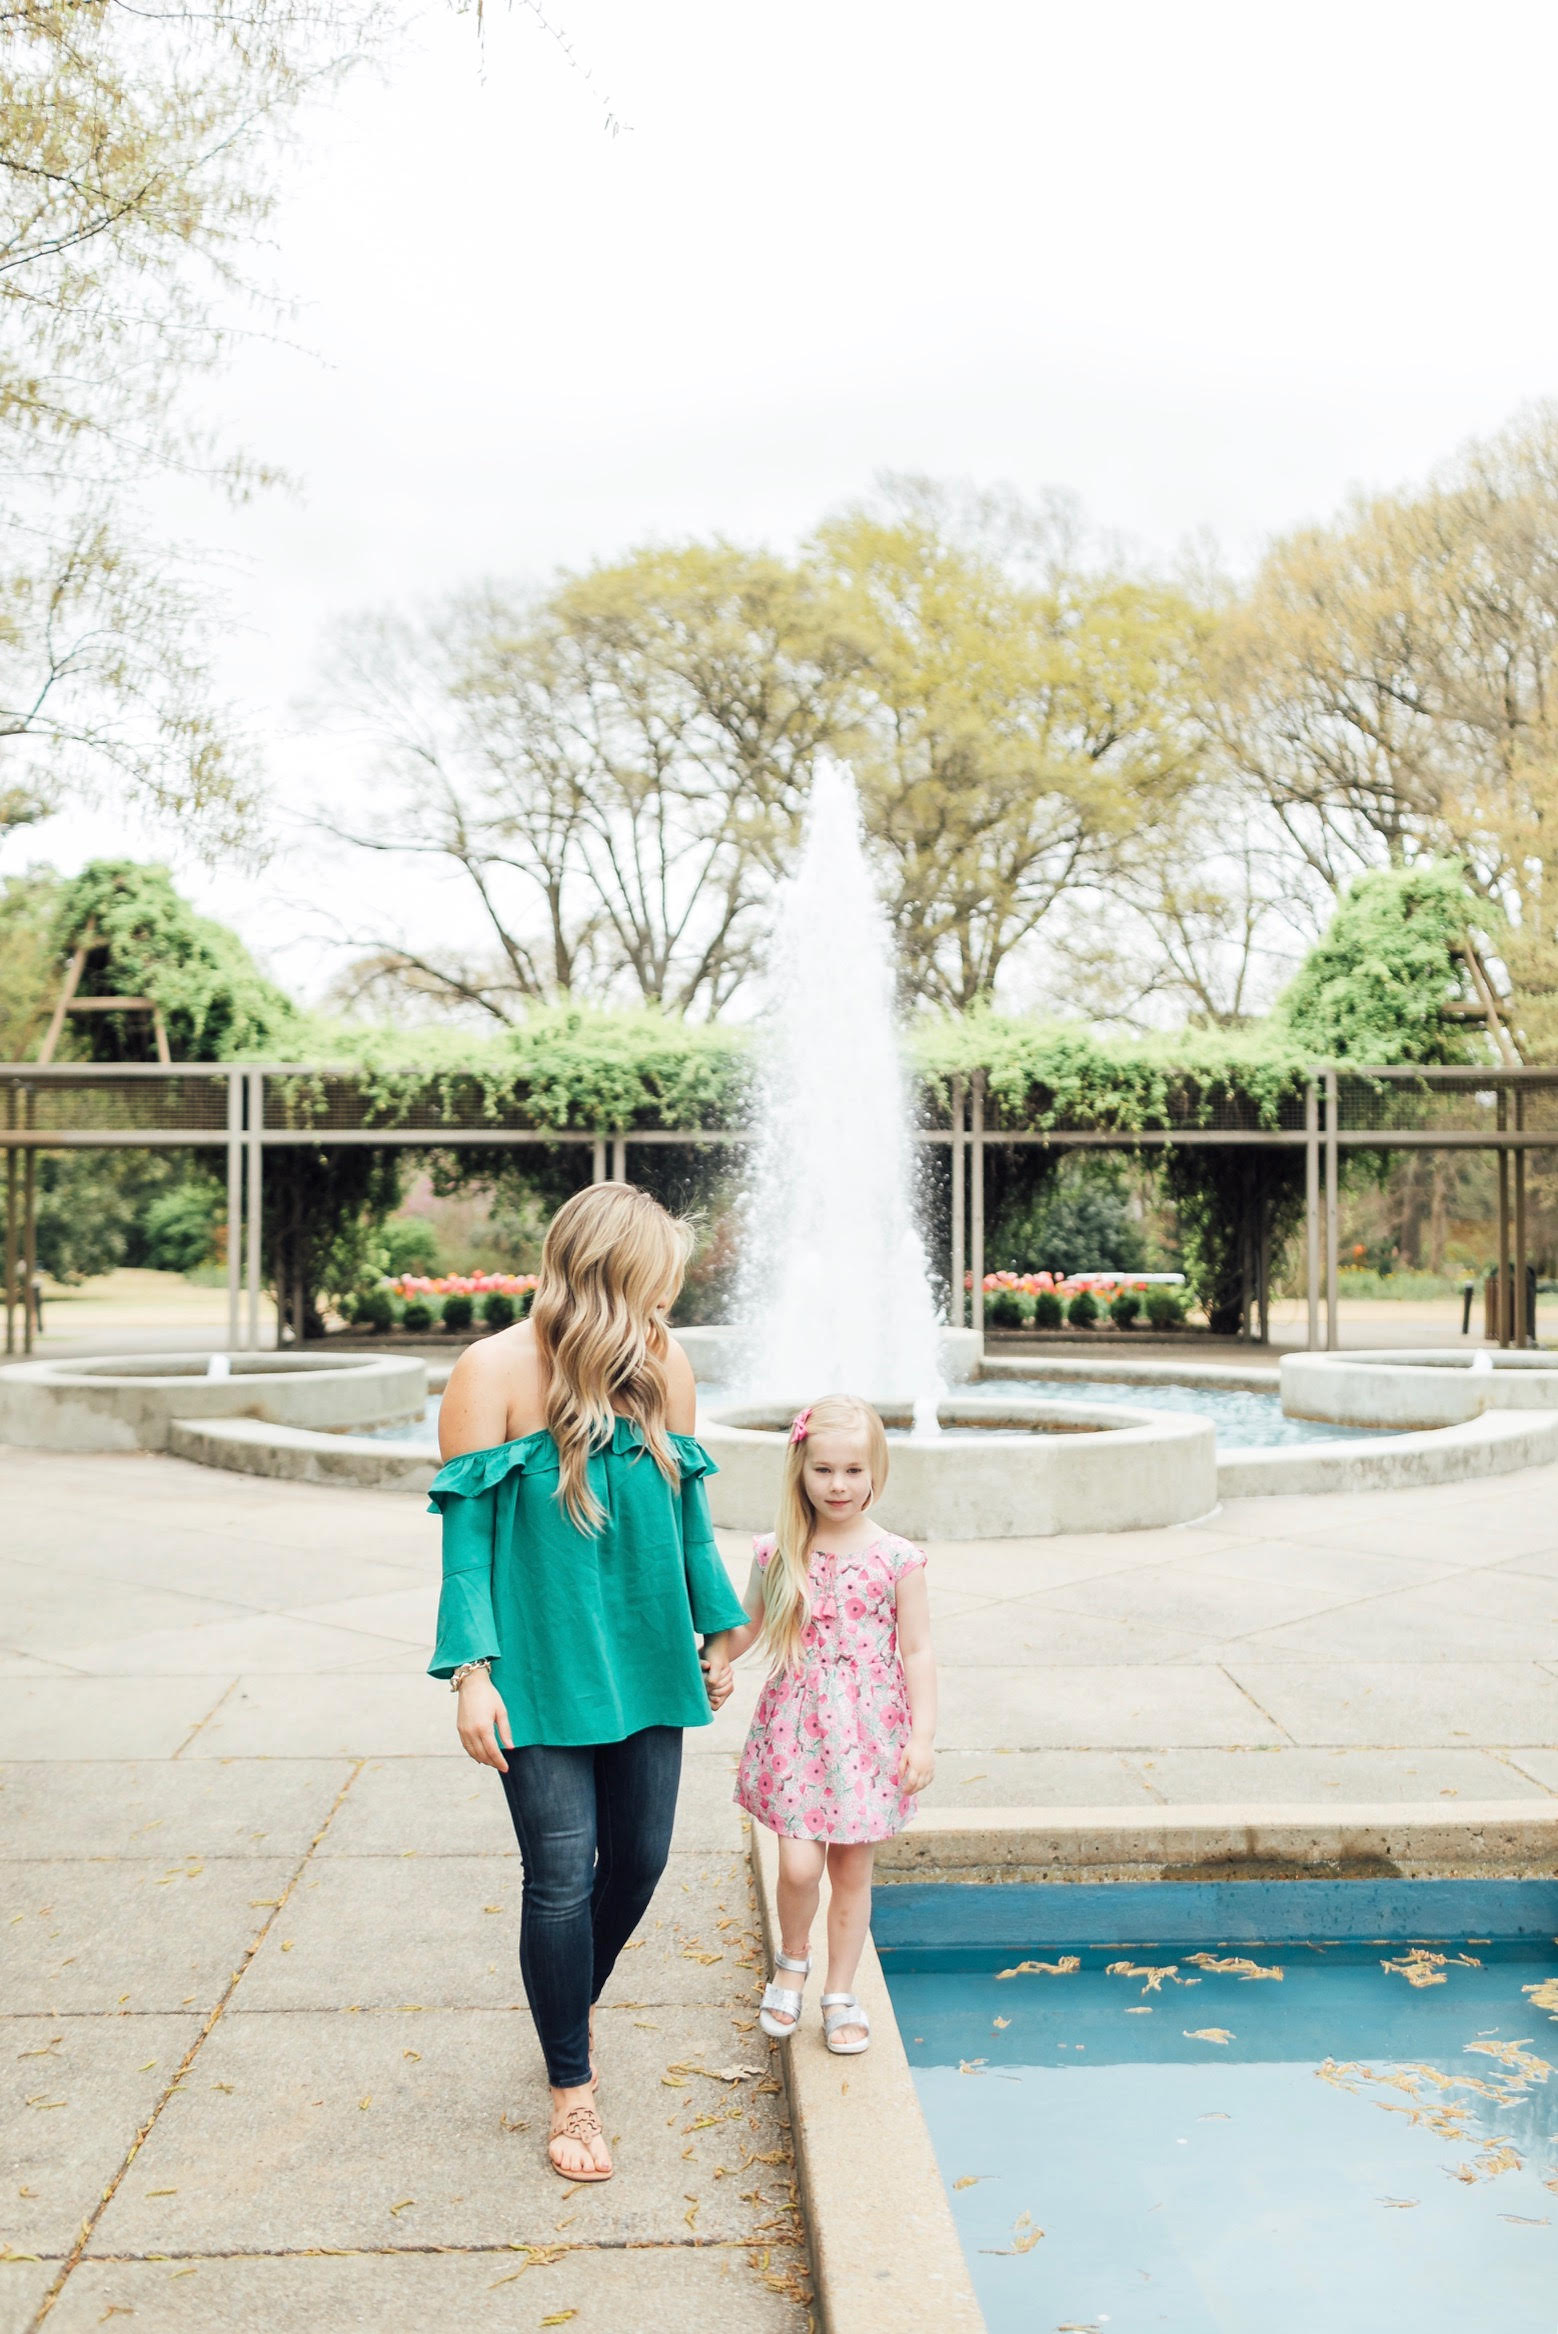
[(1274, 1778), (1034, 1779), (1001, 1569), (1040, 1708), (1540, 1765), (1405, 1703), (103, 1937), (14, 1664), (73, 2094), (443, 1807), (1039, 1629), (102, 1718), (442, 1932), (255, 1575), (1468, 1538), (1538, 1564), (426, 1806), (328, 2123), (1193, 1603), (1339, 1573), (353, 1715), (47, 1612), (159, 1809), (678, 2289), (249, 1644), (1413, 1625), (23, 2285), (408, 1615)]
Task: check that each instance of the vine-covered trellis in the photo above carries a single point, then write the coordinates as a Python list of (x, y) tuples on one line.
[(1252, 1138)]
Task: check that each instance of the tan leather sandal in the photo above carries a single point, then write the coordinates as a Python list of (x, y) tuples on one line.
[(582, 2124)]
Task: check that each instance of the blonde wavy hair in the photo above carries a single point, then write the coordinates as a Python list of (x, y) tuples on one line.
[(786, 1595), (611, 1269)]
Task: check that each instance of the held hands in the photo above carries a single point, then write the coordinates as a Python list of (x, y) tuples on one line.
[(482, 1720), (918, 1765), (719, 1679)]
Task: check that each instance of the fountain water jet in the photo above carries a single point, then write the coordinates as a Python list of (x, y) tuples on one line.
[(836, 1292)]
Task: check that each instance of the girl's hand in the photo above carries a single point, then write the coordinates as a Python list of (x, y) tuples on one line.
[(483, 1721), (720, 1680), (917, 1767)]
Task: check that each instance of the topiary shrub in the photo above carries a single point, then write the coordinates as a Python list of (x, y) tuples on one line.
[(498, 1310), (417, 1315), (1048, 1311), (376, 1311), (1165, 1309), (523, 1303), (1003, 1311), (1082, 1312), (458, 1312), (1124, 1307)]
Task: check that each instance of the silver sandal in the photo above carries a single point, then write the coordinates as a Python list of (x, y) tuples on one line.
[(840, 2010), (783, 1999)]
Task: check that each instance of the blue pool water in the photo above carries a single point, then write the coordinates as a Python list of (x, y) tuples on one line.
[(1241, 1420), (1332, 2150)]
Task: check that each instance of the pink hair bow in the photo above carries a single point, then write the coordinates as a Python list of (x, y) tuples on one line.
[(798, 1430)]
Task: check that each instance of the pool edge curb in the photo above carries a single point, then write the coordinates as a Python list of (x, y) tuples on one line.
[(1408, 1839), (884, 2248)]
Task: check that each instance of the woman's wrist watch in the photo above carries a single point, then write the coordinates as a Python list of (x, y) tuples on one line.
[(468, 1669)]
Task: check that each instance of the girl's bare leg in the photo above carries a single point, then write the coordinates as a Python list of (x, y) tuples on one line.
[(800, 1887), (849, 1918)]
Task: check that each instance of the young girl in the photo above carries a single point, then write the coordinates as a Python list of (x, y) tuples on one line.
[(579, 1570), (843, 1732)]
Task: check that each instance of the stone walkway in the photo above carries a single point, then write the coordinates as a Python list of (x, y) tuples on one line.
[(267, 2063)]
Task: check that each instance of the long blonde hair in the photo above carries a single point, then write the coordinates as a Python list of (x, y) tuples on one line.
[(611, 1269), (786, 1596)]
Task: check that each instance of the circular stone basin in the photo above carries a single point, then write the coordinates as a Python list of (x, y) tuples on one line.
[(128, 1402), (1407, 1388), (1006, 1467)]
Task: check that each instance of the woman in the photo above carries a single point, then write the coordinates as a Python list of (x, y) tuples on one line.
[(579, 1561)]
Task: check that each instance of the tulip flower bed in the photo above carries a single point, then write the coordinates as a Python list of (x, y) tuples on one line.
[(410, 1285), (1047, 1300)]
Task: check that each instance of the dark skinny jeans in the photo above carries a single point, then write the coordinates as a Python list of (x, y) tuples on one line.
[(594, 1830)]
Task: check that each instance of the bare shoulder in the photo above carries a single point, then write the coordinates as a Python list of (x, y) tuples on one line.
[(681, 1390), (494, 1393)]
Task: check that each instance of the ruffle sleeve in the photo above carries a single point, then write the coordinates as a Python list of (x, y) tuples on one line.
[(465, 1493), (715, 1605)]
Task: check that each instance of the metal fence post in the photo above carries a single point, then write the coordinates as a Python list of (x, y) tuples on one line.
[(1312, 1212), (1333, 1320), (976, 1199), (254, 1197), (234, 1203), (956, 1314)]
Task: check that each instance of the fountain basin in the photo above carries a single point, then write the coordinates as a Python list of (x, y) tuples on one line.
[(1031, 1469), (1409, 1388), (718, 1353), (129, 1402)]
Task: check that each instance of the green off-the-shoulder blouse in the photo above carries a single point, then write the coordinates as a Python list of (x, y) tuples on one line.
[(592, 1635)]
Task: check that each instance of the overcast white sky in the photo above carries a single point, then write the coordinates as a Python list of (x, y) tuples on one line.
[(1206, 266)]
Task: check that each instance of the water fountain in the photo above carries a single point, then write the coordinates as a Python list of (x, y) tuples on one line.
[(837, 1289)]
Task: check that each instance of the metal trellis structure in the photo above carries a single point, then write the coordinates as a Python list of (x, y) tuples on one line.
[(249, 1109)]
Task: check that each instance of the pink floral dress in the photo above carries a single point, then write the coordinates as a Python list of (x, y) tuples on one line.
[(821, 1759)]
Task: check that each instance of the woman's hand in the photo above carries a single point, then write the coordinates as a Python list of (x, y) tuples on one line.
[(917, 1767), (483, 1721), (720, 1679)]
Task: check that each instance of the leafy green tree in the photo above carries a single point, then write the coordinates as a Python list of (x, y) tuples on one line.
[(138, 162), (1023, 720), (1377, 987)]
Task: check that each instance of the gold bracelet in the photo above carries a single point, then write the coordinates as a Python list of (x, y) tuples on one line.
[(468, 1669)]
